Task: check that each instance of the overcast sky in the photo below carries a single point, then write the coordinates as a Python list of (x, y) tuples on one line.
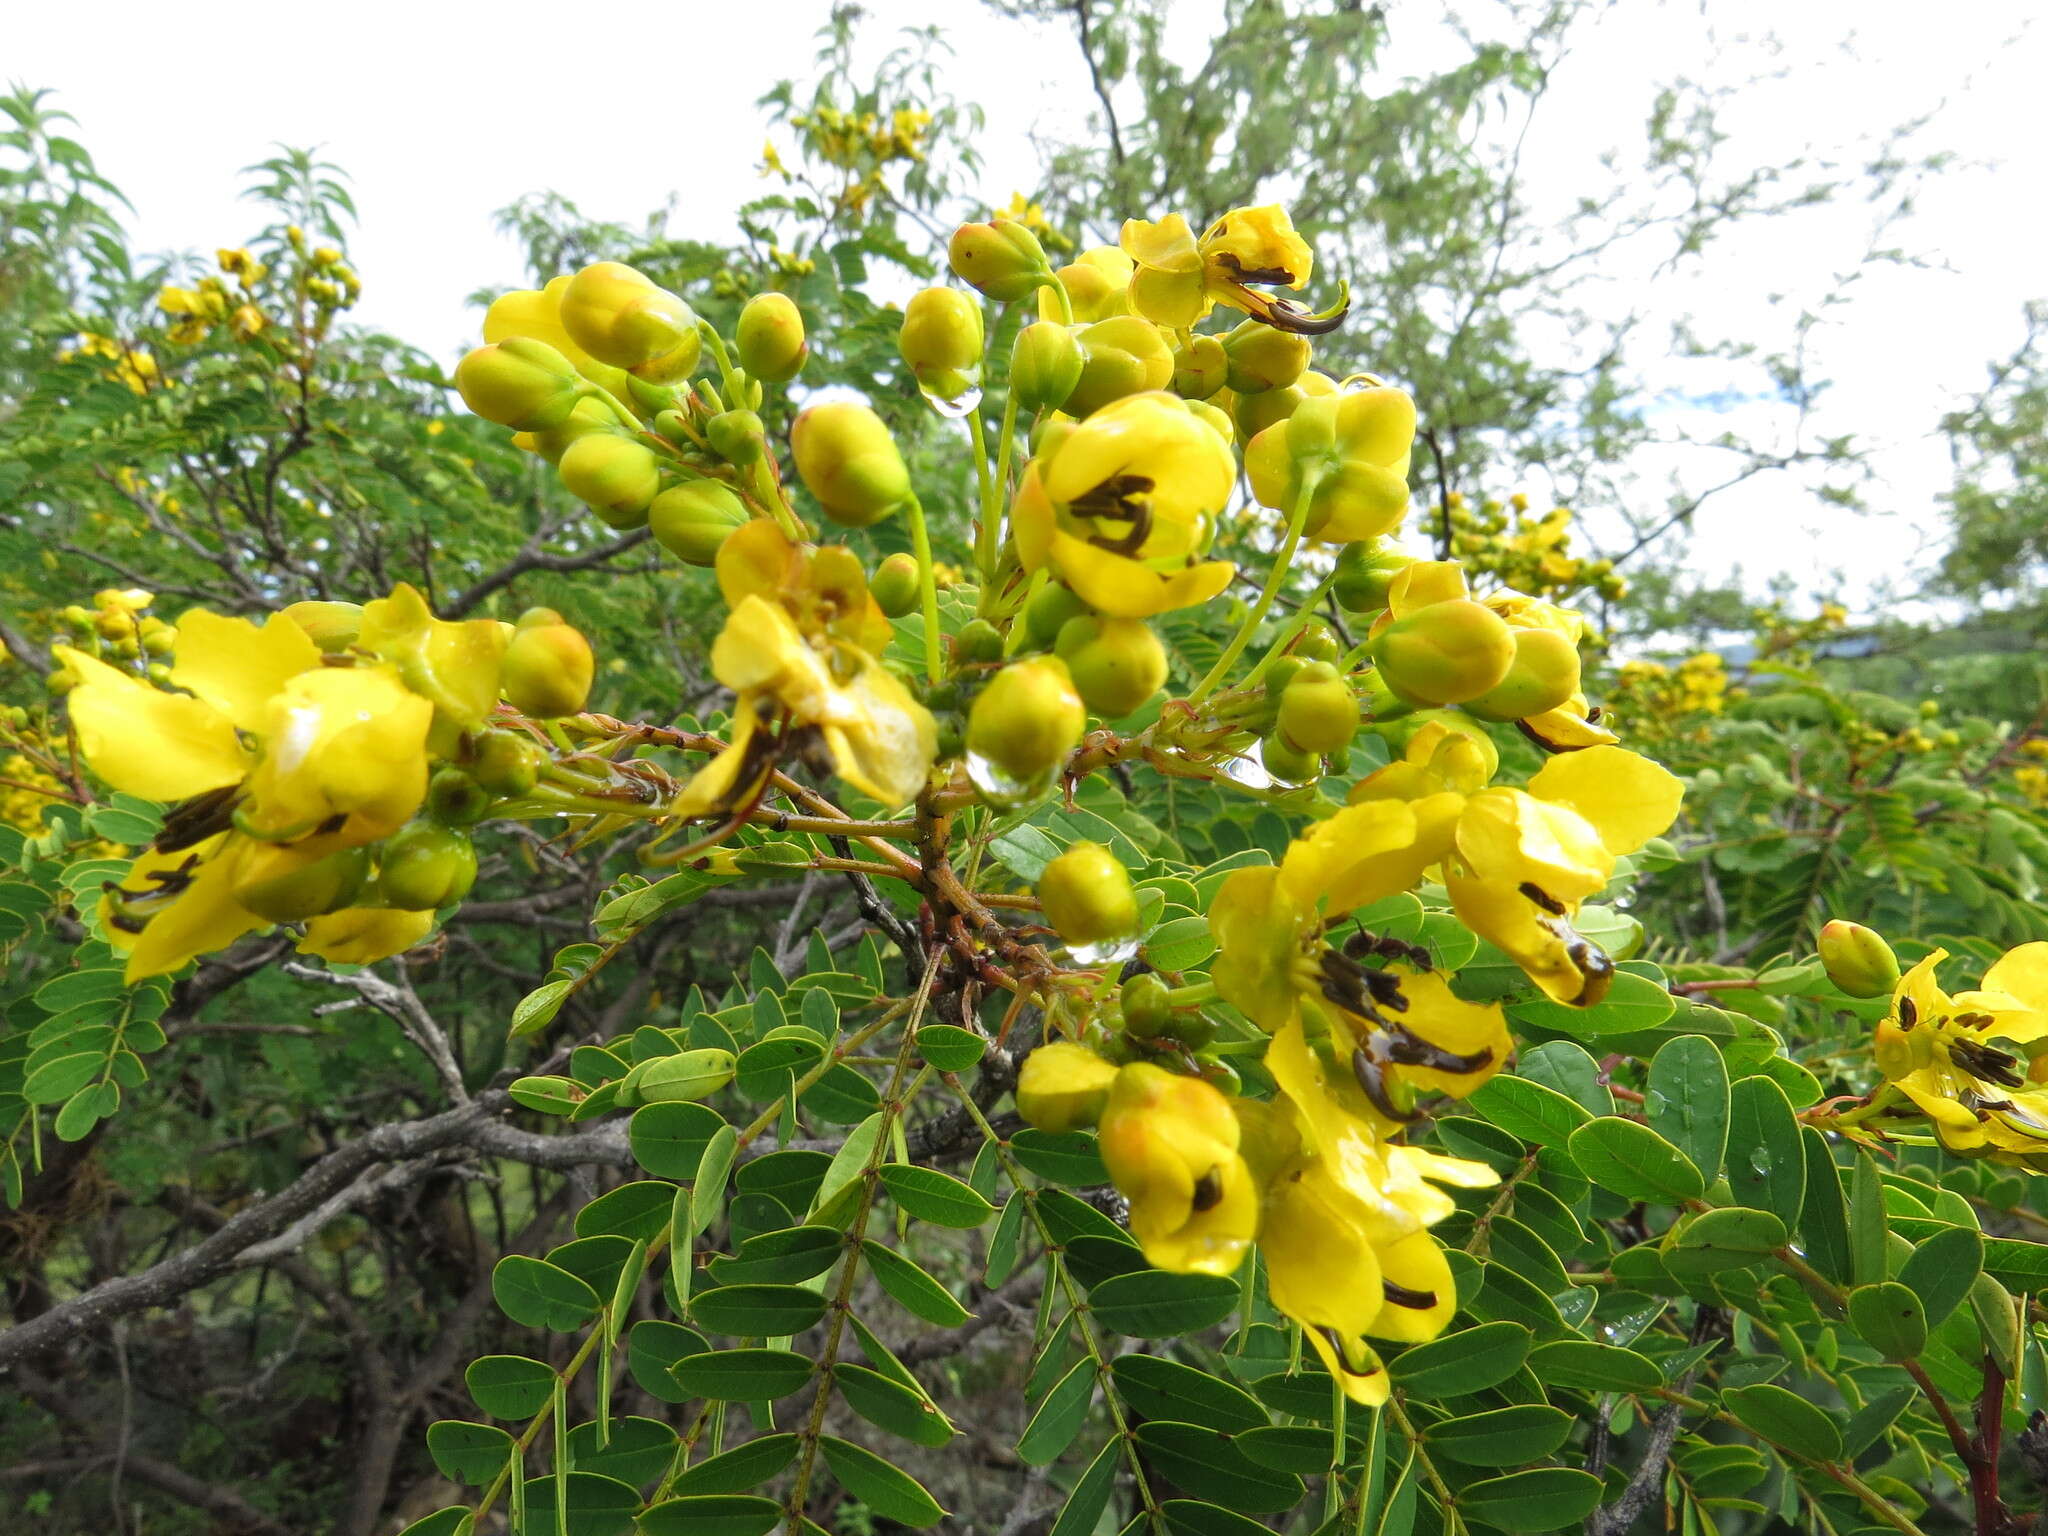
[(443, 112)]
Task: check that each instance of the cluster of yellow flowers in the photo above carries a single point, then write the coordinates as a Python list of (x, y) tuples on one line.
[(1660, 695), (235, 299), (133, 365), (2031, 778), (322, 769), (26, 787), (1533, 554), (861, 144)]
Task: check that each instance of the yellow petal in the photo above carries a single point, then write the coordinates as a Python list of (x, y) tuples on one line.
[(162, 746), (204, 919), (717, 785), (886, 750), (347, 741), (1122, 588), (1255, 927), (1427, 1296), (1168, 244), (1320, 1269), (361, 935), (235, 666), (1173, 299), (1451, 1024), (1515, 840), (2022, 972), (1364, 853), (1627, 798)]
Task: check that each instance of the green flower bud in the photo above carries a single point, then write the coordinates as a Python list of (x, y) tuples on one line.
[(547, 670), (770, 338), (1318, 712), (311, 890), (1063, 1087), (1123, 355), (592, 415), (737, 437), (1365, 569), (1262, 358), (849, 462), (1003, 259), (1316, 642), (522, 384), (896, 588), (59, 681), (615, 477), (455, 799), (1288, 763), (940, 339), (1143, 1003), (1444, 653), (331, 626), (694, 1074), (1544, 673), (1046, 611), (1200, 367), (1858, 960), (693, 520), (978, 643), (1025, 722), (506, 763), (620, 317), (426, 866), (1045, 365), (1116, 664), (1089, 902)]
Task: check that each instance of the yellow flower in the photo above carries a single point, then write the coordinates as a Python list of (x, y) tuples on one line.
[(1179, 278), (454, 664), (1098, 285), (360, 935), (1944, 1053), (1124, 506), (1353, 448), (1171, 1145)]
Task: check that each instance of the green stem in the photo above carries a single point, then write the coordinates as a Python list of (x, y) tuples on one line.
[(1275, 579), (1059, 291), (985, 479), (921, 542), (1293, 627), (989, 544)]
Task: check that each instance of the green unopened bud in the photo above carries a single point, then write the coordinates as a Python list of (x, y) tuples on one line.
[(1318, 711), (426, 866), (59, 681), (941, 341), (1544, 673), (331, 626), (547, 670), (1858, 960), (978, 643), (311, 890), (1116, 664), (1255, 412), (615, 477), (1144, 1004), (506, 764), (1088, 901), (1063, 1087), (691, 1075), (738, 437), (1262, 358), (1200, 367), (1444, 653), (1046, 611), (592, 415), (522, 384), (1365, 569), (1026, 721), (770, 338), (1315, 641), (1002, 259), (895, 587), (455, 799), (1288, 763), (1045, 365), (693, 520), (849, 461), (1123, 355), (620, 317)]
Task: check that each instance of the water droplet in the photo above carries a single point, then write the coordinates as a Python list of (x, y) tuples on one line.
[(1249, 769), (999, 787), (1760, 1159), (1104, 951), (955, 408)]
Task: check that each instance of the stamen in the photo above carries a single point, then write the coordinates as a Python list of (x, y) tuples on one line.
[(1401, 1296), (195, 820), (1408, 1049), (1374, 1082), (1209, 1190), (1541, 897)]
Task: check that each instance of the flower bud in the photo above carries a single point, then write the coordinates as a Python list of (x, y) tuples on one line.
[(1365, 569), (1318, 712), (1200, 367), (426, 866), (1045, 365), (1543, 674), (1316, 642), (1121, 356), (1144, 1005), (1858, 960), (547, 668), (693, 520), (1088, 901), (455, 799), (616, 477), (1116, 664), (620, 317), (849, 461), (940, 339), (1255, 412), (277, 888), (591, 415), (770, 338), (1215, 418), (1287, 762), (331, 626), (1026, 720), (737, 436), (1046, 612), (691, 1075), (1063, 1086), (506, 763), (1003, 260), (1262, 358), (896, 588), (978, 643), (1444, 653), (523, 384)]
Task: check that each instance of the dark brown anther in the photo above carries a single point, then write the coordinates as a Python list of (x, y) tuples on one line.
[(1274, 275), (1349, 998), (195, 820), (1407, 1049), (1541, 897), (1209, 1190), (1385, 988), (1401, 1296), (1286, 315), (1374, 1082), (1121, 498), (1987, 1062)]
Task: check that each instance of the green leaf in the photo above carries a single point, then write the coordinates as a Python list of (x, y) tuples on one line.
[(1084, 1506), (537, 1294), (1866, 1222), (888, 1490), (1157, 1388), (459, 1520), (1004, 1244), (1941, 1269), (57, 1080), (638, 1211), (636, 1450), (1729, 1238), (1635, 1162), (73, 989), (1874, 1418), (1460, 1363), (1545, 1499), (653, 1348), (743, 1375), (848, 1163), (1157, 1304), (707, 1189), (1632, 1003), (1302, 1449), (841, 1097), (535, 1011), (936, 1197), (1785, 1419), (669, 1139), (916, 1291), (757, 1311), (1889, 1318), (949, 1047), (1686, 1101), (1538, 1115), (743, 1467), (598, 1506), (1591, 1367), (1565, 1067), (1063, 1157), (1059, 1417), (1192, 1517), (509, 1386), (547, 1095), (765, 1070), (468, 1453), (1504, 1437), (712, 1515), (1767, 1158), (1208, 1465), (1823, 1214), (889, 1404), (781, 1258)]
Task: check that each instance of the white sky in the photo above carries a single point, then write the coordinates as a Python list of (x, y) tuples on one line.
[(420, 104)]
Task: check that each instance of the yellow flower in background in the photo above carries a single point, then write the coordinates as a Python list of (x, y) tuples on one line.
[(1171, 1145), (1124, 506), (1179, 278), (1974, 1062)]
